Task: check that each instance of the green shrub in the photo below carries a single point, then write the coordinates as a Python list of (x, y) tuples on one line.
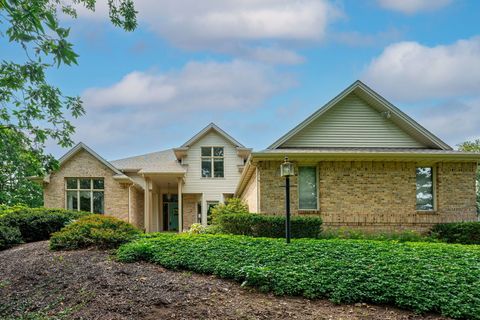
[(231, 206), (9, 236), (401, 236), (259, 225), (94, 231), (424, 277), (37, 224), (460, 232)]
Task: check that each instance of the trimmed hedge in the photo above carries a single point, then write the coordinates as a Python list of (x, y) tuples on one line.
[(36, 224), (259, 225), (9, 236), (460, 232), (94, 231), (424, 277)]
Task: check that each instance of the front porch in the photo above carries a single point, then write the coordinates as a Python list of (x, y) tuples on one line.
[(167, 207)]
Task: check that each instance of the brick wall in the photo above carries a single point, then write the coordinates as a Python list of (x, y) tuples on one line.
[(137, 217), (190, 202), (83, 164), (374, 196)]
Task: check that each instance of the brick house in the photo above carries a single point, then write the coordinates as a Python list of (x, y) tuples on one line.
[(363, 163), (360, 162)]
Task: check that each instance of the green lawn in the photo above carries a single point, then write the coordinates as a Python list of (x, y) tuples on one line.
[(423, 277)]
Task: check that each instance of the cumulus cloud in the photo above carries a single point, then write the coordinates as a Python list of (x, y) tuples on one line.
[(409, 71), (228, 26), (413, 6), (455, 121), (198, 85), (148, 110)]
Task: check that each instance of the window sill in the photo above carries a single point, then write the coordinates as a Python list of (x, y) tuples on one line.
[(308, 211), (427, 212), (213, 178)]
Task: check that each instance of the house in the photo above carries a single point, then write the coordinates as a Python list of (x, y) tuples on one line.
[(360, 162), (363, 163), (160, 191)]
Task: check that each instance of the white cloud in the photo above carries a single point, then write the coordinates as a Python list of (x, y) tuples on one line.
[(228, 26), (455, 121), (197, 86), (413, 6), (409, 71), (151, 110)]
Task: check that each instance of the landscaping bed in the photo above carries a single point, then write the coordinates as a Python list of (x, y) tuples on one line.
[(36, 283), (424, 277)]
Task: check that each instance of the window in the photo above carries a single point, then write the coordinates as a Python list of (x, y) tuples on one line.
[(85, 194), (307, 188), (425, 199), (212, 162)]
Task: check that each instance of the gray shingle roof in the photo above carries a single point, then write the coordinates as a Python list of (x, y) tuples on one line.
[(161, 162)]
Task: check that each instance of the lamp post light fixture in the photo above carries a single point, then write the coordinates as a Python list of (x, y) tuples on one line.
[(287, 170)]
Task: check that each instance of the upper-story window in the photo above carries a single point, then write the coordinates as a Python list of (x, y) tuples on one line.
[(212, 162), (85, 194)]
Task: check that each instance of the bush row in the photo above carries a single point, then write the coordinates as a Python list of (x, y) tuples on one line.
[(24, 224), (259, 225), (461, 232), (94, 231), (424, 277)]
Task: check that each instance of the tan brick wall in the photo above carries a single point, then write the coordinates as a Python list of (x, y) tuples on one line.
[(190, 202), (375, 195), (137, 217), (83, 164)]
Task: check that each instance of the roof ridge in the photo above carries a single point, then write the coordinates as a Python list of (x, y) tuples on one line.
[(141, 155)]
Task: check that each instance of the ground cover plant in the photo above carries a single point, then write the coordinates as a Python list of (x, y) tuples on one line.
[(94, 231), (401, 236), (36, 224), (259, 225), (418, 276)]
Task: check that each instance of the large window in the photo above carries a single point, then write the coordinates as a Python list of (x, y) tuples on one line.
[(307, 188), (212, 162), (425, 197), (85, 194)]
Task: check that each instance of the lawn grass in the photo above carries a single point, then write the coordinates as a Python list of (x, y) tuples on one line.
[(424, 277)]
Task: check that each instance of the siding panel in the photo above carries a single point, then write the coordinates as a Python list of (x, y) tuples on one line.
[(352, 123)]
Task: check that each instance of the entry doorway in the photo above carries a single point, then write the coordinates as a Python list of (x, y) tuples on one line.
[(170, 212)]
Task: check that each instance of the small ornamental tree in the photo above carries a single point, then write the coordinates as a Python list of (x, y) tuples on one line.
[(231, 206)]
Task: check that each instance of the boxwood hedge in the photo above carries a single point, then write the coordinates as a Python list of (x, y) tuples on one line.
[(94, 231), (37, 224), (260, 225), (9, 236), (460, 232), (423, 277)]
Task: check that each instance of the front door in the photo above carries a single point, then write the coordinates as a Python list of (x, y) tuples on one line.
[(173, 216)]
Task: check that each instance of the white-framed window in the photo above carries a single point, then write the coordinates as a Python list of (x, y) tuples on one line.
[(425, 194), (212, 162), (307, 188), (85, 194)]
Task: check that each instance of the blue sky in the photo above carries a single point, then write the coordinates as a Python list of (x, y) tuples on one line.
[(259, 67)]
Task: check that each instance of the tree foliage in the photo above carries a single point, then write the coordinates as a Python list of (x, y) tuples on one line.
[(32, 110), (473, 146)]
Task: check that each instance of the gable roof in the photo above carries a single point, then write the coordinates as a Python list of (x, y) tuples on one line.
[(158, 162), (373, 99), (212, 127), (81, 146)]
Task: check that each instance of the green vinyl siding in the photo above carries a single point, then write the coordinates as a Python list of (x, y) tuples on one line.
[(352, 123)]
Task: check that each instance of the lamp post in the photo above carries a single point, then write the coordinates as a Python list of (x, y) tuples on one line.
[(286, 170)]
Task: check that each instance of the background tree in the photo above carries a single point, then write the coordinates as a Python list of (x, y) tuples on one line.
[(473, 146), (31, 109)]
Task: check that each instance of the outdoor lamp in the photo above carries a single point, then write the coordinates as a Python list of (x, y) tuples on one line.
[(287, 170)]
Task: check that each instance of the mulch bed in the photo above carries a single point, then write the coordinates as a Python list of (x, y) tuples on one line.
[(89, 284)]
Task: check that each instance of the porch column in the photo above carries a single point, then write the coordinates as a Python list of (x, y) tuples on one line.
[(180, 205), (147, 206)]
